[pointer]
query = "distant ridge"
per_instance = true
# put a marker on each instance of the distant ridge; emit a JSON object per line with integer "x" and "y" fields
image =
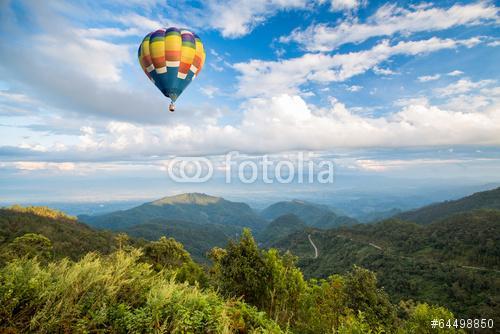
{"x": 489, "y": 199}
{"x": 281, "y": 227}
{"x": 311, "y": 214}
{"x": 188, "y": 198}
{"x": 197, "y": 208}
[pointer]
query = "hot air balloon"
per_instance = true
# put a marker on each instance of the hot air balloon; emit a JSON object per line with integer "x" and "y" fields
{"x": 171, "y": 58}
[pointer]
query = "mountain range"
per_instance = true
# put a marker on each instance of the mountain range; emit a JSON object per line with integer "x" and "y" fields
{"x": 311, "y": 214}
{"x": 446, "y": 253}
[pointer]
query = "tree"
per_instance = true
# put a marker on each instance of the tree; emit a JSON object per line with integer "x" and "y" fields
{"x": 364, "y": 296}
{"x": 122, "y": 240}
{"x": 420, "y": 317}
{"x": 241, "y": 270}
{"x": 29, "y": 245}
{"x": 262, "y": 278}
{"x": 166, "y": 253}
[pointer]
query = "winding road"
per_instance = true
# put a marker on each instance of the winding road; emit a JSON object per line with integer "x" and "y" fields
{"x": 314, "y": 246}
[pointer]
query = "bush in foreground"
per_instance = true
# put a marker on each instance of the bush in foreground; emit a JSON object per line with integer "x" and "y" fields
{"x": 118, "y": 294}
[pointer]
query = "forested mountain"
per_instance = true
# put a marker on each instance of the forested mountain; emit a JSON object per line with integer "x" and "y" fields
{"x": 198, "y": 239}
{"x": 311, "y": 214}
{"x": 453, "y": 262}
{"x": 281, "y": 227}
{"x": 158, "y": 288}
{"x": 199, "y": 221}
{"x": 68, "y": 236}
{"x": 481, "y": 200}
{"x": 193, "y": 207}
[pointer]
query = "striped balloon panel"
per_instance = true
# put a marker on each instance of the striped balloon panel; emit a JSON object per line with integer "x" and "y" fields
{"x": 171, "y": 58}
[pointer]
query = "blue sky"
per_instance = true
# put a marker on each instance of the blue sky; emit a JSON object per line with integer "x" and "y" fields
{"x": 405, "y": 89}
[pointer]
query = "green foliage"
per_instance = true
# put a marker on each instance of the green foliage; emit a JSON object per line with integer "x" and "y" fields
{"x": 453, "y": 262}
{"x": 41, "y": 211}
{"x": 420, "y": 317}
{"x": 365, "y": 297}
{"x": 69, "y": 237}
{"x": 198, "y": 239}
{"x": 241, "y": 270}
{"x": 431, "y": 213}
{"x": 195, "y": 208}
{"x": 167, "y": 253}
{"x": 160, "y": 289}
{"x": 261, "y": 278}
{"x": 117, "y": 294}
{"x": 281, "y": 227}
{"x": 311, "y": 214}
{"x": 29, "y": 245}
{"x": 346, "y": 304}
{"x": 274, "y": 284}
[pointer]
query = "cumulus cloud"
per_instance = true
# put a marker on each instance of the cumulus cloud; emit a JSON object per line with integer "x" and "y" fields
{"x": 425, "y": 78}
{"x": 238, "y": 18}
{"x": 383, "y": 71}
{"x": 354, "y": 88}
{"x": 455, "y": 73}
{"x": 258, "y": 77}
{"x": 285, "y": 123}
{"x": 390, "y": 19}
{"x": 209, "y": 91}
{"x": 463, "y": 86}
{"x": 345, "y": 5}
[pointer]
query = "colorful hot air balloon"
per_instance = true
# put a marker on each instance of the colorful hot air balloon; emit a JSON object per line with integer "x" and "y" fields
{"x": 171, "y": 58}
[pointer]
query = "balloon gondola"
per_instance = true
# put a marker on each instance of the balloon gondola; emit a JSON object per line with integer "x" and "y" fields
{"x": 171, "y": 58}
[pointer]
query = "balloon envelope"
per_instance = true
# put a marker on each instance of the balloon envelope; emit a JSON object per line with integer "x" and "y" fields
{"x": 171, "y": 58}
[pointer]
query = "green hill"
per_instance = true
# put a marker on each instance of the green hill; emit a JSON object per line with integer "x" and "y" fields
{"x": 158, "y": 288}
{"x": 306, "y": 211}
{"x": 453, "y": 262}
{"x": 482, "y": 200}
{"x": 312, "y": 214}
{"x": 195, "y": 208}
{"x": 197, "y": 239}
{"x": 281, "y": 227}
{"x": 69, "y": 237}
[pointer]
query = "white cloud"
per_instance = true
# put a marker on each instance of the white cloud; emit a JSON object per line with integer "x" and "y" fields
{"x": 383, "y": 71}
{"x": 473, "y": 98}
{"x": 237, "y": 18}
{"x": 455, "y": 73}
{"x": 494, "y": 43}
{"x": 107, "y": 32}
{"x": 386, "y": 165}
{"x": 140, "y": 22}
{"x": 285, "y": 123}
{"x": 425, "y": 78}
{"x": 95, "y": 58}
{"x": 34, "y": 165}
{"x": 16, "y": 97}
{"x": 345, "y": 5}
{"x": 462, "y": 86}
{"x": 258, "y": 77}
{"x": 354, "y": 88}
{"x": 389, "y": 20}
{"x": 209, "y": 91}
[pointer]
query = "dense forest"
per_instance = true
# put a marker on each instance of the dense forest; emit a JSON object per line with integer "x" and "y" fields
{"x": 134, "y": 286}
{"x": 454, "y": 262}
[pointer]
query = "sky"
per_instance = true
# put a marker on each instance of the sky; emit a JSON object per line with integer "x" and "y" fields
{"x": 406, "y": 91}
